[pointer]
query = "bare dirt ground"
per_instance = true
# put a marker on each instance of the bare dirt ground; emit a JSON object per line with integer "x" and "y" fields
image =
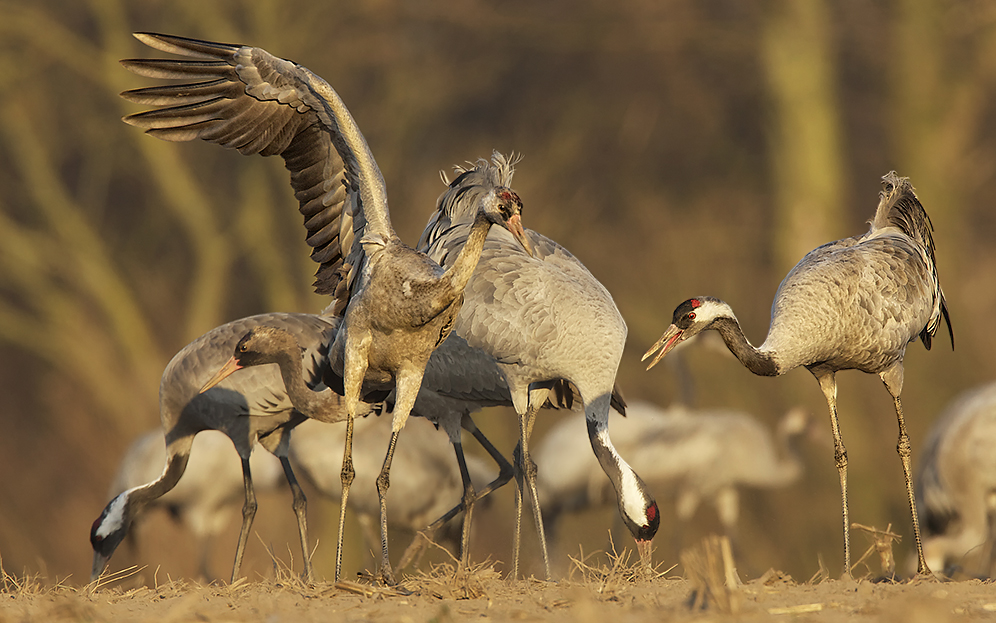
{"x": 615, "y": 591}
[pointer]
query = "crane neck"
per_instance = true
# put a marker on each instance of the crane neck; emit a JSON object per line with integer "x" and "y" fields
{"x": 637, "y": 507}
{"x": 177, "y": 454}
{"x": 466, "y": 261}
{"x": 762, "y": 363}
{"x": 325, "y": 405}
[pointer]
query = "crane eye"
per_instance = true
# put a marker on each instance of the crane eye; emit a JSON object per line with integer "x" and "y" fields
{"x": 691, "y": 316}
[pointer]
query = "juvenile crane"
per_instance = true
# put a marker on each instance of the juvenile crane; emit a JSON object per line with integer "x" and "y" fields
{"x": 545, "y": 320}
{"x": 397, "y": 304}
{"x": 248, "y": 408}
{"x": 956, "y": 483}
{"x": 853, "y": 304}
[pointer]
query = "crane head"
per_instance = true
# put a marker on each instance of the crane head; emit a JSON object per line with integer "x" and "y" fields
{"x": 690, "y": 318}
{"x": 503, "y": 207}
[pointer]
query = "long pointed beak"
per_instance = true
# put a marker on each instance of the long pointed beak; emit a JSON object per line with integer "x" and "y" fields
{"x": 646, "y": 549}
{"x": 669, "y": 340}
{"x": 230, "y": 366}
{"x": 99, "y": 564}
{"x": 515, "y": 227}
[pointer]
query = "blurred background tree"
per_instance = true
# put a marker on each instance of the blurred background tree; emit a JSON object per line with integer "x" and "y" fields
{"x": 677, "y": 147}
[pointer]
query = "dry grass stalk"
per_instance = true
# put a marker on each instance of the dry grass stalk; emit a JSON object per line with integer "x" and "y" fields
{"x": 105, "y": 579}
{"x": 449, "y": 580}
{"x": 613, "y": 578}
{"x": 882, "y": 543}
{"x": 712, "y": 576}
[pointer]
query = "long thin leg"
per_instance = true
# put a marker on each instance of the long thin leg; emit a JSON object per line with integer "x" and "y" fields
{"x": 905, "y": 453}
{"x": 248, "y": 514}
{"x": 354, "y": 369}
{"x": 469, "y": 497}
{"x": 407, "y": 382}
{"x": 300, "y": 506}
{"x": 505, "y": 473}
{"x": 383, "y": 483}
{"x": 829, "y": 386}
{"x": 525, "y": 467}
{"x": 346, "y": 476}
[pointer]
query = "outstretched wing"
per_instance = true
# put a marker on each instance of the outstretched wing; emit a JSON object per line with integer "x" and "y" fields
{"x": 244, "y": 98}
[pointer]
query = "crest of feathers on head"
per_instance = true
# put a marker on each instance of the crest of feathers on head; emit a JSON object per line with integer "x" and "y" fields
{"x": 899, "y": 207}
{"x": 459, "y": 201}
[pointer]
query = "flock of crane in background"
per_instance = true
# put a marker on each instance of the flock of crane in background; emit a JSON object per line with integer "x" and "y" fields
{"x": 477, "y": 316}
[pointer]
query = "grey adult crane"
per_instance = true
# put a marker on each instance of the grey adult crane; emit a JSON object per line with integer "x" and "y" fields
{"x": 956, "y": 484}
{"x": 545, "y": 320}
{"x": 703, "y": 454}
{"x": 212, "y": 484}
{"x": 853, "y": 304}
{"x": 248, "y": 408}
{"x": 397, "y": 304}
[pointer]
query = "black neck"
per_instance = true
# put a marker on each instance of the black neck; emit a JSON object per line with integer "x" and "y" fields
{"x": 759, "y": 363}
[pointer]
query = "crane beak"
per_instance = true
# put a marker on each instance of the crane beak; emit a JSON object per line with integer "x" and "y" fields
{"x": 646, "y": 550}
{"x": 99, "y": 564}
{"x": 230, "y": 366}
{"x": 515, "y": 227}
{"x": 669, "y": 340}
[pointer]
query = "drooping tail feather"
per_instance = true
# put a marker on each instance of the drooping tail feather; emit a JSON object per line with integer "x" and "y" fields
{"x": 899, "y": 207}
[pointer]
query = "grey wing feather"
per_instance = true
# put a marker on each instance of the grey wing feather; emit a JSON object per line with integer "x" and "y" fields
{"x": 247, "y": 99}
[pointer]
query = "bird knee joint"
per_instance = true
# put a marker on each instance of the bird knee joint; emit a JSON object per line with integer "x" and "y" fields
{"x": 840, "y": 457}
{"x": 383, "y": 484}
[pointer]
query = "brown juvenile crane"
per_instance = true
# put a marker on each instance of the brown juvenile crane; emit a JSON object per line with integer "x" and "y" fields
{"x": 397, "y": 304}
{"x": 853, "y": 304}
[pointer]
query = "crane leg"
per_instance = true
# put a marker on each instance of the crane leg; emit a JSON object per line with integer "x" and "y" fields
{"x": 469, "y": 497}
{"x": 829, "y": 386}
{"x": 248, "y": 514}
{"x": 383, "y": 483}
{"x": 300, "y": 506}
{"x": 346, "y": 477}
{"x": 407, "y": 382}
{"x": 354, "y": 369}
{"x": 505, "y": 470}
{"x": 505, "y": 473}
{"x": 526, "y": 468}
{"x": 905, "y": 454}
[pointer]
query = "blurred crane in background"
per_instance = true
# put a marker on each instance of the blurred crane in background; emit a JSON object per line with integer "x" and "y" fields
{"x": 956, "y": 485}
{"x": 699, "y": 454}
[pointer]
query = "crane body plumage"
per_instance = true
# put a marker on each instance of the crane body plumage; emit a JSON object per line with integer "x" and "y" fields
{"x": 257, "y": 103}
{"x": 246, "y": 408}
{"x": 854, "y": 304}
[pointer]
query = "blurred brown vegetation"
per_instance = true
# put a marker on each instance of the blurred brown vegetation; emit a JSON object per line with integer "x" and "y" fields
{"x": 677, "y": 147}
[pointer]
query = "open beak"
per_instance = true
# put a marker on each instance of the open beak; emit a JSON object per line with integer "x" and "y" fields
{"x": 515, "y": 227}
{"x": 669, "y": 340}
{"x": 230, "y": 366}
